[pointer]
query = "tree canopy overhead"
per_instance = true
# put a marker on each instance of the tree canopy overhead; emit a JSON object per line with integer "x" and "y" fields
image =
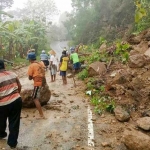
{"x": 42, "y": 10}
{"x": 91, "y": 19}
{"x": 5, "y": 4}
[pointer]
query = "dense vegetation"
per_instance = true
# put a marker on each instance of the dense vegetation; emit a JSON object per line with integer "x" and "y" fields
{"x": 110, "y": 19}
{"x": 104, "y": 23}
{"x": 18, "y": 34}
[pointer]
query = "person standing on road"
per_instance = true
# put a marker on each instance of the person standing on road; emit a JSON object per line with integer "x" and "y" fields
{"x": 10, "y": 105}
{"x": 65, "y": 49}
{"x": 53, "y": 65}
{"x": 44, "y": 57}
{"x": 63, "y": 65}
{"x": 75, "y": 59}
{"x": 36, "y": 71}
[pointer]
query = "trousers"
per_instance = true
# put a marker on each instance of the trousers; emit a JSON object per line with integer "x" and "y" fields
{"x": 11, "y": 112}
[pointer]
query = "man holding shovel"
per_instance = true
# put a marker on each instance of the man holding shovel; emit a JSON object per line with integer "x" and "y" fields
{"x": 75, "y": 60}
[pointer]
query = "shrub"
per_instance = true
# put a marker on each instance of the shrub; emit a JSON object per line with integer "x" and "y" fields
{"x": 83, "y": 74}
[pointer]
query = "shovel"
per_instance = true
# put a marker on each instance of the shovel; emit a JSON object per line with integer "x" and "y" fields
{"x": 74, "y": 79}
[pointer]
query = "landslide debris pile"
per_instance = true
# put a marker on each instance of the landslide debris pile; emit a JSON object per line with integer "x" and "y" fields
{"x": 130, "y": 84}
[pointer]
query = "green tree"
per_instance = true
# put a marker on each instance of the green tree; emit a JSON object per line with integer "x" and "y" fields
{"x": 142, "y": 15}
{"x": 19, "y": 36}
{"x": 39, "y": 10}
{"x": 5, "y": 4}
{"x": 91, "y": 19}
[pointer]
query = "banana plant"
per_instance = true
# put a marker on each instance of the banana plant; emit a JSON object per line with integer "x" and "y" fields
{"x": 140, "y": 10}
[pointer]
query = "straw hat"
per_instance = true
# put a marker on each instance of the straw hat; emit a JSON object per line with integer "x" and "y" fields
{"x": 52, "y": 52}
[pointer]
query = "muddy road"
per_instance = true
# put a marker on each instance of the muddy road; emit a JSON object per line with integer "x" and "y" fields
{"x": 67, "y": 126}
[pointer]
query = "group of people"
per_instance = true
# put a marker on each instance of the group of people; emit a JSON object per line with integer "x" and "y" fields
{"x": 54, "y": 65}
{"x": 10, "y": 98}
{"x": 10, "y": 88}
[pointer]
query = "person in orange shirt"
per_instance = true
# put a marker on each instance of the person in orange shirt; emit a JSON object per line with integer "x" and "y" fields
{"x": 36, "y": 72}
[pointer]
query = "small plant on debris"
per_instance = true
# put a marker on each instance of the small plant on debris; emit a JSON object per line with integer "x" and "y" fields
{"x": 102, "y": 104}
{"x": 122, "y": 51}
{"x": 83, "y": 74}
{"x": 97, "y": 56}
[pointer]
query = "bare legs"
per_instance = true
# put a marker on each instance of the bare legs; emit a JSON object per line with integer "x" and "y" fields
{"x": 64, "y": 80}
{"x": 53, "y": 78}
{"x": 39, "y": 108}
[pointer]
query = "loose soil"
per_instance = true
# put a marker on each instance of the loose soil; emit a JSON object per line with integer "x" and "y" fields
{"x": 66, "y": 125}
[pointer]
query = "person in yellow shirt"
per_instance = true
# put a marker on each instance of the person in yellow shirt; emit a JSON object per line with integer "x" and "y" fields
{"x": 63, "y": 65}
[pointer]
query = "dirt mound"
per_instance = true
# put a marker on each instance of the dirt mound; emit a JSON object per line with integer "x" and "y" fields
{"x": 129, "y": 84}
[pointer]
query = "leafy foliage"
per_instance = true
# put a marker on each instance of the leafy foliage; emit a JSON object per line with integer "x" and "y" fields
{"x": 16, "y": 37}
{"x": 140, "y": 11}
{"x": 39, "y": 10}
{"x": 5, "y": 4}
{"x": 104, "y": 103}
{"x": 92, "y": 19}
{"x": 83, "y": 74}
{"x": 142, "y": 14}
{"x": 122, "y": 51}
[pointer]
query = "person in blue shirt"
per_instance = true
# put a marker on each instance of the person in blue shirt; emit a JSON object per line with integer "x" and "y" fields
{"x": 44, "y": 57}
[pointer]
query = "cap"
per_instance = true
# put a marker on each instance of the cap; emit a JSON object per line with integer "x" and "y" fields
{"x": 43, "y": 51}
{"x": 31, "y": 56}
{"x": 72, "y": 49}
{"x": 52, "y": 52}
{"x": 2, "y": 66}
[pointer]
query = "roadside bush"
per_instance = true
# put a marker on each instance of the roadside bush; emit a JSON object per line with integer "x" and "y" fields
{"x": 121, "y": 51}
{"x": 102, "y": 104}
{"x": 83, "y": 74}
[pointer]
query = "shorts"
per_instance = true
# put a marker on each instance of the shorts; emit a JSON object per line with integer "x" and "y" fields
{"x": 46, "y": 62}
{"x": 76, "y": 66}
{"x": 53, "y": 70}
{"x": 37, "y": 92}
{"x": 63, "y": 73}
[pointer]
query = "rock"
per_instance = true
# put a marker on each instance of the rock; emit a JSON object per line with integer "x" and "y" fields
{"x": 136, "y": 61}
{"x": 27, "y": 99}
{"x": 106, "y": 144}
{"x": 146, "y": 113}
{"x": 103, "y": 47}
{"x": 121, "y": 114}
{"x": 111, "y": 49}
{"x": 147, "y": 36}
{"x": 133, "y": 52}
{"x": 147, "y": 53}
{"x": 55, "y": 95}
{"x": 69, "y": 75}
{"x": 140, "y": 48}
{"x": 144, "y": 123}
{"x": 121, "y": 78}
{"x": 121, "y": 147}
{"x": 134, "y": 39}
{"x": 135, "y": 140}
{"x": 96, "y": 68}
{"x": 71, "y": 101}
{"x": 149, "y": 44}
{"x": 53, "y": 107}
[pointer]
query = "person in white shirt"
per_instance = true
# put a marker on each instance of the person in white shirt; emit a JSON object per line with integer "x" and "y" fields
{"x": 53, "y": 65}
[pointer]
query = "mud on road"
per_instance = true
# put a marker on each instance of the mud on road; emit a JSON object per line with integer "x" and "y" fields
{"x": 66, "y": 125}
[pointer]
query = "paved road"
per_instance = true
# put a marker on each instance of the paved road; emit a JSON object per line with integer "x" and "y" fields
{"x": 66, "y": 126}
{"x": 58, "y": 47}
